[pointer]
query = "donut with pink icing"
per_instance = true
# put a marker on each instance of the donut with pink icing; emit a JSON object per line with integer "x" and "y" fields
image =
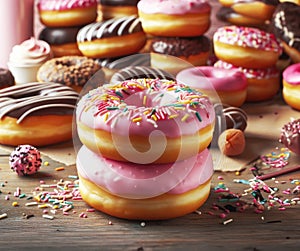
{"x": 246, "y": 47}
{"x": 226, "y": 85}
{"x": 67, "y": 13}
{"x": 149, "y": 192}
{"x": 145, "y": 121}
{"x": 262, "y": 84}
{"x": 291, "y": 85}
{"x": 186, "y": 18}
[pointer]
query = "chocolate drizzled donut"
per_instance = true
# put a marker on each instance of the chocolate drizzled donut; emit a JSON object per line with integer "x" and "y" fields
{"x": 110, "y": 28}
{"x": 34, "y": 99}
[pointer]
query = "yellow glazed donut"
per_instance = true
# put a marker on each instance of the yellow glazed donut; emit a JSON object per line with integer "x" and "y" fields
{"x": 145, "y": 121}
{"x": 36, "y": 114}
{"x": 185, "y": 18}
{"x": 246, "y": 47}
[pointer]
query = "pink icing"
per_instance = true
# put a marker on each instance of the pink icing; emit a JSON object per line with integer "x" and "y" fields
{"x": 212, "y": 78}
{"x": 271, "y": 72}
{"x": 248, "y": 37}
{"x": 292, "y": 74}
{"x": 64, "y": 4}
{"x": 145, "y": 106}
{"x": 129, "y": 180}
{"x": 178, "y": 7}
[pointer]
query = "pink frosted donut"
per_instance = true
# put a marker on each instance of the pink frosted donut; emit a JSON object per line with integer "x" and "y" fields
{"x": 184, "y": 18}
{"x": 135, "y": 191}
{"x": 228, "y": 85}
{"x": 246, "y": 47}
{"x": 66, "y": 13}
{"x": 25, "y": 160}
{"x": 145, "y": 121}
{"x": 263, "y": 84}
{"x": 291, "y": 85}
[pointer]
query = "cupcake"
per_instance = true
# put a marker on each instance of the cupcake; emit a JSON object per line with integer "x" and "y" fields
{"x": 25, "y": 59}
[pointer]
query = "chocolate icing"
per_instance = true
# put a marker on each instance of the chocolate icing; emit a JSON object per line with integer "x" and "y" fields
{"x": 59, "y": 35}
{"x": 179, "y": 46}
{"x": 285, "y": 24}
{"x": 119, "y": 2}
{"x": 34, "y": 99}
{"x": 6, "y": 78}
{"x": 133, "y": 72}
{"x": 110, "y": 28}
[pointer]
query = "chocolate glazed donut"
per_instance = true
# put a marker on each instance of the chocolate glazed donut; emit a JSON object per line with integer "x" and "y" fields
{"x": 62, "y": 40}
{"x": 36, "y": 114}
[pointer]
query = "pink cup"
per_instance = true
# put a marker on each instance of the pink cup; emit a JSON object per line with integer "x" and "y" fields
{"x": 16, "y": 25}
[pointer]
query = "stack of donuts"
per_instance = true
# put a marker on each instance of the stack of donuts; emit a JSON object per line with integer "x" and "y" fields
{"x": 254, "y": 13}
{"x": 253, "y": 52}
{"x": 144, "y": 153}
{"x": 62, "y": 21}
{"x": 176, "y": 28}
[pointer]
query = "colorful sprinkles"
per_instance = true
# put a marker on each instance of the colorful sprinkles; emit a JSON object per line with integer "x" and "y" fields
{"x": 111, "y": 102}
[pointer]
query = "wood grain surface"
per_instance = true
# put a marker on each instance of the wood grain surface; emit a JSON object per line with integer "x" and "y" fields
{"x": 271, "y": 229}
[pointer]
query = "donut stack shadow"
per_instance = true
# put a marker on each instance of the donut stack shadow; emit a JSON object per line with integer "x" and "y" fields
{"x": 151, "y": 171}
{"x": 62, "y": 21}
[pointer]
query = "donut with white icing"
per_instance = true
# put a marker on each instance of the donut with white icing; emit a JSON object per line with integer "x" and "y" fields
{"x": 37, "y": 114}
{"x": 145, "y": 121}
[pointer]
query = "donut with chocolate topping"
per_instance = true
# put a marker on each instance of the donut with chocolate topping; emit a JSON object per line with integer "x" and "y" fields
{"x": 36, "y": 114}
{"x": 285, "y": 25}
{"x": 111, "y": 38}
{"x": 6, "y": 78}
{"x": 118, "y": 8}
{"x": 62, "y": 40}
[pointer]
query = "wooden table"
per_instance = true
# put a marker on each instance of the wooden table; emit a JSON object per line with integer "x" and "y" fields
{"x": 205, "y": 230}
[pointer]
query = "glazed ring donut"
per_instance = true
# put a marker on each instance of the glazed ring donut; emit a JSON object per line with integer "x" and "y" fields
{"x": 145, "y": 121}
{"x": 246, "y": 47}
{"x": 291, "y": 86}
{"x": 188, "y": 18}
{"x": 285, "y": 25}
{"x": 227, "y": 85}
{"x": 111, "y": 38}
{"x": 6, "y": 78}
{"x": 62, "y": 40}
{"x": 148, "y": 192}
{"x": 258, "y": 9}
{"x": 58, "y": 13}
{"x": 262, "y": 84}
{"x": 36, "y": 114}
{"x": 118, "y": 8}
{"x": 73, "y": 71}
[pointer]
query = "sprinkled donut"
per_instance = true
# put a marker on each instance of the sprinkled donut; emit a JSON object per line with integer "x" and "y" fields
{"x": 145, "y": 121}
{"x": 290, "y": 136}
{"x": 246, "y": 47}
{"x": 36, "y": 113}
{"x": 25, "y": 160}
{"x": 67, "y": 13}
{"x": 111, "y": 38}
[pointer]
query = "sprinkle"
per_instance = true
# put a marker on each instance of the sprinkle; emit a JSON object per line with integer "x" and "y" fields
{"x": 227, "y": 221}
{"x": 185, "y": 117}
{"x": 82, "y": 215}
{"x": 48, "y": 217}
{"x": 110, "y": 223}
{"x": 2, "y": 216}
{"x": 143, "y": 224}
{"x": 198, "y": 212}
{"x": 15, "y": 204}
{"x": 138, "y": 119}
{"x": 90, "y": 210}
{"x": 73, "y": 177}
{"x": 29, "y": 204}
{"x": 22, "y": 195}
{"x": 198, "y": 116}
{"x": 59, "y": 168}
{"x": 46, "y": 163}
